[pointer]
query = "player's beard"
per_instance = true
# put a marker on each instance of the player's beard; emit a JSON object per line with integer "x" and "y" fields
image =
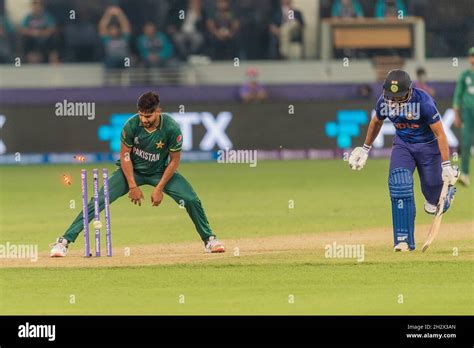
{"x": 153, "y": 124}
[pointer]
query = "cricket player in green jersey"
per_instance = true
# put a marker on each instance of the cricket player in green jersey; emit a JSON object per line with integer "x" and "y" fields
{"x": 150, "y": 154}
{"x": 463, "y": 105}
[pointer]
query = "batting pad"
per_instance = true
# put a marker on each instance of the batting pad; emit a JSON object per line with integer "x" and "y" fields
{"x": 400, "y": 184}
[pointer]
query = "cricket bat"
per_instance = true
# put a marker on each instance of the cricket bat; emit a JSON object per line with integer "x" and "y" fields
{"x": 435, "y": 225}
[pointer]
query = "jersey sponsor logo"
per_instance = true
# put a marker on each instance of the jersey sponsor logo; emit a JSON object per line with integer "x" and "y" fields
{"x": 179, "y": 138}
{"x": 406, "y": 125}
{"x": 151, "y": 157}
{"x": 388, "y": 129}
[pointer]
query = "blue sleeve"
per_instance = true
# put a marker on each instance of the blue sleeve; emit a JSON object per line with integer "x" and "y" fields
{"x": 167, "y": 49}
{"x": 428, "y": 111}
{"x": 379, "y": 109}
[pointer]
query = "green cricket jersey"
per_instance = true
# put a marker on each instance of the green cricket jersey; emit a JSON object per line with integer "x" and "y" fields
{"x": 150, "y": 149}
{"x": 464, "y": 93}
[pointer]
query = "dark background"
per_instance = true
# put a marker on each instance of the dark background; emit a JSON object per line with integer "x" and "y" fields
{"x": 267, "y": 126}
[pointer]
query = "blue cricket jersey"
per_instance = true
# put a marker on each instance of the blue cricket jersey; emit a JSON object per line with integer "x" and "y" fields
{"x": 412, "y": 119}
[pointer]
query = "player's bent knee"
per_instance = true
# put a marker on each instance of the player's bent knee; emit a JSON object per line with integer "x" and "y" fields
{"x": 400, "y": 183}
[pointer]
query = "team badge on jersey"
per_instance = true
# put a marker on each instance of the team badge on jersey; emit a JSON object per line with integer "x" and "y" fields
{"x": 160, "y": 145}
{"x": 135, "y": 141}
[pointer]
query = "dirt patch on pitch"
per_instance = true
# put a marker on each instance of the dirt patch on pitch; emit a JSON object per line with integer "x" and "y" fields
{"x": 183, "y": 253}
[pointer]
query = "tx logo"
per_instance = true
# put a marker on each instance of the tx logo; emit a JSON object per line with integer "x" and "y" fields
{"x": 215, "y": 129}
{"x": 3, "y": 148}
{"x": 215, "y": 135}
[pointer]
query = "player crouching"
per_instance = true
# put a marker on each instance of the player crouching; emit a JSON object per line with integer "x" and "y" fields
{"x": 419, "y": 142}
{"x": 150, "y": 154}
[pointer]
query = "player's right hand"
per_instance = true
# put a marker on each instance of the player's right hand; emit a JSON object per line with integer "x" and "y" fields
{"x": 135, "y": 195}
{"x": 358, "y": 157}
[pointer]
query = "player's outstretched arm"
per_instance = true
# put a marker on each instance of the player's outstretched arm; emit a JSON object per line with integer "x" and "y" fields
{"x": 157, "y": 194}
{"x": 359, "y": 155}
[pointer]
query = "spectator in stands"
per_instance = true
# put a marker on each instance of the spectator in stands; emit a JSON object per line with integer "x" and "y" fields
{"x": 255, "y": 17}
{"x": 6, "y": 31}
{"x": 38, "y": 33}
{"x": 252, "y": 91}
{"x": 81, "y": 41}
{"x": 223, "y": 27}
{"x": 390, "y": 9}
{"x": 187, "y": 33}
{"x": 286, "y": 39}
{"x": 421, "y": 82}
{"x": 346, "y": 9}
{"x": 154, "y": 47}
{"x": 114, "y": 30}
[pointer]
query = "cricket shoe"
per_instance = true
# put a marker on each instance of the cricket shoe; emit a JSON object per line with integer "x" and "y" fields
{"x": 432, "y": 209}
{"x": 59, "y": 248}
{"x": 464, "y": 180}
{"x": 214, "y": 246}
{"x": 449, "y": 198}
{"x": 402, "y": 246}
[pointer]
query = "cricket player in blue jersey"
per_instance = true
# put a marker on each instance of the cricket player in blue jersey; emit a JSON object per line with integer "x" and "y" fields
{"x": 419, "y": 142}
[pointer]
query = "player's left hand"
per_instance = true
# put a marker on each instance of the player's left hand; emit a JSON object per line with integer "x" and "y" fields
{"x": 156, "y": 197}
{"x": 450, "y": 173}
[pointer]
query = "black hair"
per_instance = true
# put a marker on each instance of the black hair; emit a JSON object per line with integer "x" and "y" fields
{"x": 148, "y": 102}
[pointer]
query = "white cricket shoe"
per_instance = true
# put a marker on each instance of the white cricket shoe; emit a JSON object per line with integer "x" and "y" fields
{"x": 430, "y": 208}
{"x": 214, "y": 246}
{"x": 402, "y": 246}
{"x": 59, "y": 248}
{"x": 464, "y": 180}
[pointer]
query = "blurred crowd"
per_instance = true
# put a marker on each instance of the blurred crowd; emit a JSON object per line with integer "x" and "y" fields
{"x": 160, "y": 33}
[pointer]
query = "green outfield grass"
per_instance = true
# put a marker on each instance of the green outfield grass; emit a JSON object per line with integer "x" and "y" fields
{"x": 241, "y": 202}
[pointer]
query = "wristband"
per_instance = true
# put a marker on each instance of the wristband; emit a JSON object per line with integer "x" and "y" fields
{"x": 366, "y": 147}
{"x": 446, "y": 164}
